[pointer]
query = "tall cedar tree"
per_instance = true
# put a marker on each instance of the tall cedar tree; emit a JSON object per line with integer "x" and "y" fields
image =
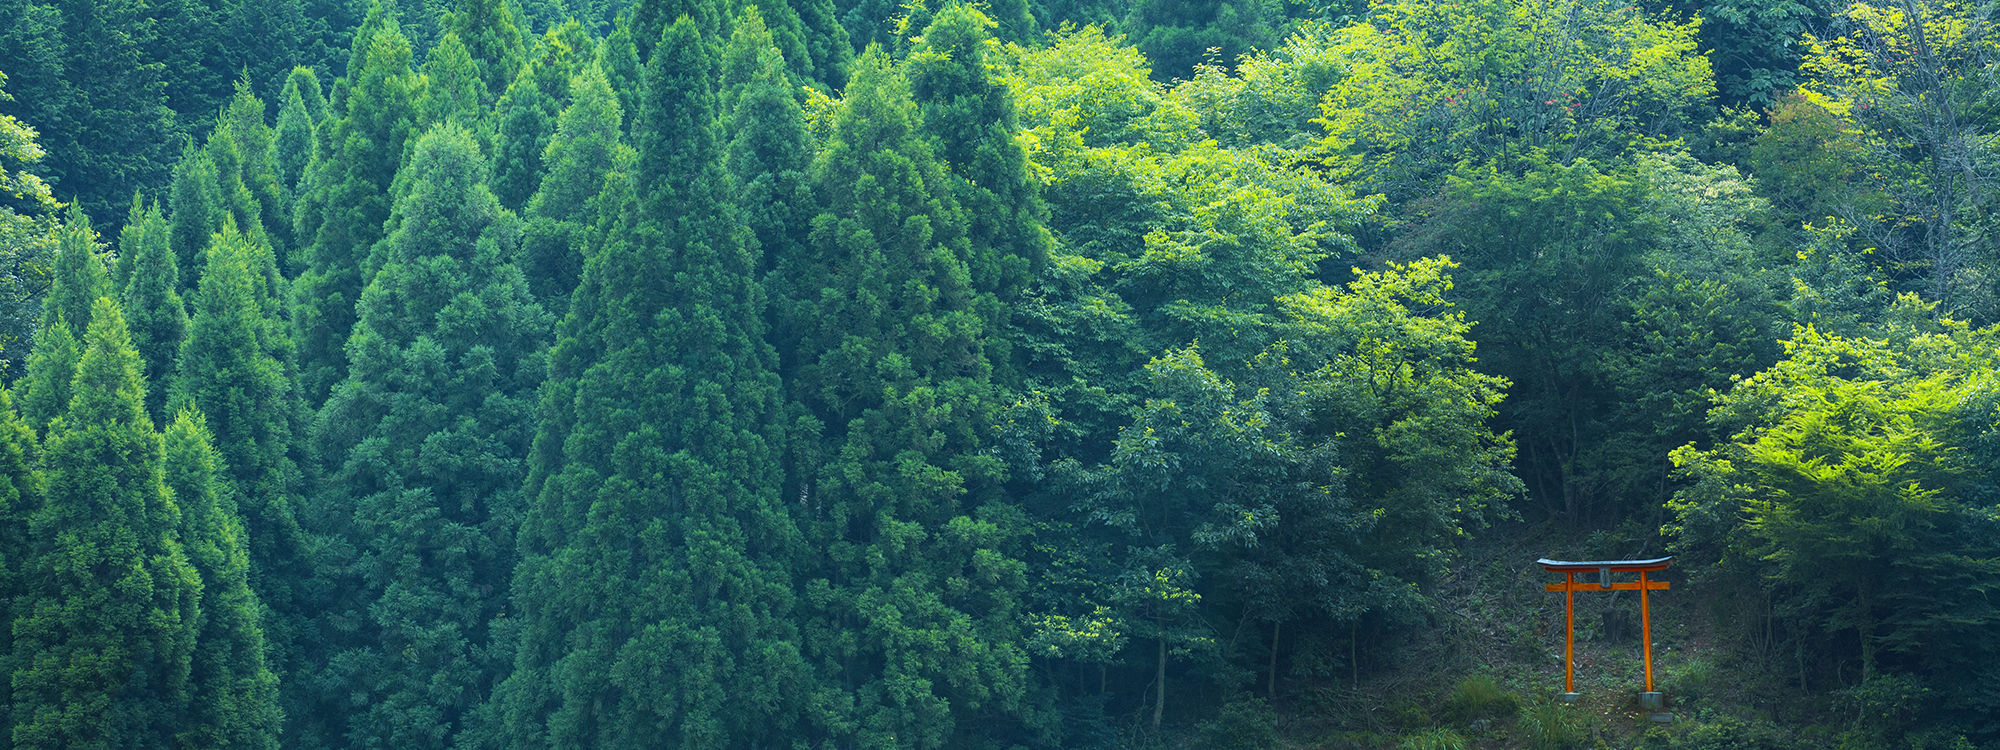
{"x": 914, "y": 586}
{"x": 195, "y": 207}
{"x": 77, "y": 280}
{"x": 452, "y": 88}
{"x": 352, "y": 182}
{"x": 529, "y": 110}
{"x": 300, "y": 107}
{"x": 235, "y": 370}
{"x": 586, "y": 148}
{"x": 108, "y": 620}
{"x": 20, "y": 499}
{"x": 618, "y": 55}
{"x": 241, "y": 148}
{"x": 425, "y": 442}
{"x": 493, "y": 34}
{"x": 656, "y": 576}
{"x": 233, "y": 691}
{"x": 151, "y": 296}
{"x": 770, "y": 152}
{"x": 970, "y": 118}
{"x": 809, "y": 35}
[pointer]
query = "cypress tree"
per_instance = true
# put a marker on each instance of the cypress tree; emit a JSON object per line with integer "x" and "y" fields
{"x": 20, "y": 498}
{"x": 242, "y": 146}
{"x": 353, "y": 199}
{"x": 770, "y": 151}
{"x": 452, "y": 88}
{"x": 655, "y": 586}
{"x": 79, "y": 275}
{"x": 45, "y": 390}
{"x": 121, "y": 268}
{"x": 618, "y": 55}
{"x": 493, "y": 35}
{"x": 529, "y": 111}
{"x": 425, "y": 442}
{"x": 196, "y": 206}
{"x": 300, "y": 107}
{"x": 234, "y": 370}
{"x": 158, "y": 316}
{"x": 809, "y": 35}
{"x": 234, "y": 693}
{"x": 586, "y": 148}
{"x": 107, "y": 626}
{"x": 913, "y": 544}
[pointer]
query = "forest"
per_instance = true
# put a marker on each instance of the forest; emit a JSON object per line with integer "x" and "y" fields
{"x": 1005, "y": 375}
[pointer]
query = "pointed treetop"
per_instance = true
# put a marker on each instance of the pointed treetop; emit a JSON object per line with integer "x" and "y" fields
{"x": 453, "y": 88}
{"x": 110, "y": 386}
{"x": 493, "y": 35}
{"x": 78, "y": 277}
{"x": 581, "y": 152}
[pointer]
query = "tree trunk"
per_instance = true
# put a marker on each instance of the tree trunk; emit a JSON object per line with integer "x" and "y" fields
{"x": 1272, "y": 689}
{"x": 1160, "y": 686}
{"x": 1867, "y": 627}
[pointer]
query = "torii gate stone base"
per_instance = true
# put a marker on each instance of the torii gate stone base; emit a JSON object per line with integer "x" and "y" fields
{"x": 1649, "y": 700}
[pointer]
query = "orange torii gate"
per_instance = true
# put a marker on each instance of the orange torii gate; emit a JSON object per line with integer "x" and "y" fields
{"x": 1605, "y": 568}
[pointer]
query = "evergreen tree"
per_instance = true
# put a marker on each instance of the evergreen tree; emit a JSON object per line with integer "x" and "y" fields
{"x": 913, "y": 541}
{"x": 234, "y": 369}
{"x": 298, "y": 119}
{"x": 352, "y": 183}
{"x": 425, "y": 442}
{"x": 528, "y": 112}
{"x": 234, "y": 693}
{"x": 196, "y": 208}
{"x": 452, "y": 88}
{"x": 494, "y": 37}
{"x": 20, "y": 498}
{"x": 655, "y": 586}
{"x": 770, "y": 152}
{"x": 79, "y": 275}
{"x": 618, "y": 55}
{"x": 151, "y": 293}
{"x": 809, "y": 35}
{"x": 242, "y": 147}
{"x": 107, "y": 624}
{"x": 45, "y": 389}
{"x": 586, "y": 148}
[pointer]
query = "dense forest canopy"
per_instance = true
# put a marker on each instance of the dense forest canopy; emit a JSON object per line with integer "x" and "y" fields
{"x": 1019, "y": 374}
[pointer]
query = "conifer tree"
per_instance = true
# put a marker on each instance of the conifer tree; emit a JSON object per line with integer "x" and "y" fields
{"x": 195, "y": 207}
{"x": 655, "y": 587}
{"x": 234, "y": 369}
{"x": 244, "y": 159}
{"x": 79, "y": 275}
{"x": 20, "y": 498}
{"x": 970, "y": 117}
{"x": 913, "y": 543}
{"x": 452, "y": 87}
{"x": 151, "y": 295}
{"x": 809, "y": 35}
{"x": 586, "y": 148}
{"x": 352, "y": 183}
{"x": 618, "y": 55}
{"x": 107, "y": 623}
{"x": 528, "y": 112}
{"x": 233, "y": 691}
{"x": 425, "y": 442}
{"x": 770, "y": 152}
{"x": 492, "y": 33}
{"x": 300, "y": 109}
{"x": 45, "y": 389}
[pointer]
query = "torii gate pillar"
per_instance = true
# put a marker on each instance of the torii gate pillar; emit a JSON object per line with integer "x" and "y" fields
{"x": 1650, "y": 700}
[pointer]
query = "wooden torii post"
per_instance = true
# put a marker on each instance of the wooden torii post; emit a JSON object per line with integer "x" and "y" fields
{"x": 1605, "y": 568}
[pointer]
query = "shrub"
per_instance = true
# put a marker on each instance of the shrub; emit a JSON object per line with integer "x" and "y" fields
{"x": 1437, "y": 738}
{"x": 1479, "y": 697}
{"x": 1242, "y": 725}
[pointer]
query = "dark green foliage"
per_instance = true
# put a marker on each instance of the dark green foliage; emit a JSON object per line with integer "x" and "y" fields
{"x": 618, "y": 55}
{"x": 151, "y": 293}
{"x": 108, "y": 621}
{"x": 196, "y": 208}
{"x": 301, "y": 109}
{"x": 770, "y": 152}
{"x": 1177, "y": 35}
{"x": 349, "y": 199}
{"x": 495, "y": 39}
{"x": 529, "y": 110}
{"x": 77, "y": 278}
{"x": 45, "y": 389}
{"x": 453, "y": 89}
{"x": 656, "y": 581}
{"x": 20, "y": 499}
{"x": 234, "y": 694}
{"x": 235, "y": 369}
{"x": 913, "y": 543}
{"x": 586, "y": 147}
{"x": 815, "y": 46}
{"x": 424, "y": 444}
{"x": 242, "y": 149}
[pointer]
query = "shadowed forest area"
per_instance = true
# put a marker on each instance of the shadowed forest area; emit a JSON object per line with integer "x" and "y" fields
{"x": 1094, "y": 374}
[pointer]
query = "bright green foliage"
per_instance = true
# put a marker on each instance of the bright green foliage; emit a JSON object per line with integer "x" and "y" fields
{"x": 1430, "y": 85}
{"x": 1269, "y": 96}
{"x": 969, "y": 115}
{"x": 242, "y": 148}
{"x": 28, "y": 232}
{"x": 1845, "y": 484}
{"x": 495, "y": 39}
{"x": 424, "y": 444}
{"x": 235, "y": 370}
{"x": 914, "y": 587}
{"x": 770, "y": 152}
{"x": 586, "y": 147}
{"x": 1810, "y": 163}
{"x": 79, "y": 275}
{"x": 45, "y": 389}
{"x": 529, "y": 110}
{"x": 656, "y": 582}
{"x": 20, "y": 499}
{"x": 151, "y": 293}
{"x": 350, "y": 200}
{"x": 233, "y": 693}
{"x": 301, "y": 109}
{"x": 452, "y": 86}
{"x": 195, "y": 206}
{"x": 108, "y": 622}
